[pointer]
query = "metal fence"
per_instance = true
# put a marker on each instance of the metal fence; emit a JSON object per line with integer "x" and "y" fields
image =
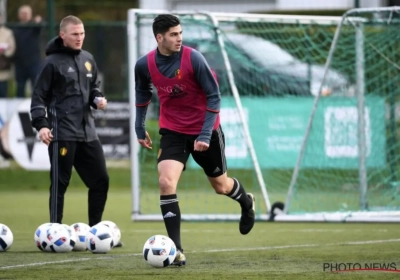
{"x": 107, "y": 42}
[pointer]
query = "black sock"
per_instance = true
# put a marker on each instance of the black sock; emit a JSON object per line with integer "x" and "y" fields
{"x": 172, "y": 218}
{"x": 239, "y": 194}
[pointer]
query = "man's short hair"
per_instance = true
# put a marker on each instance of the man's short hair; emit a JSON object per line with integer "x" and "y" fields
{"x": 162, "y": 23}
{"x": 24, "y": 7}
{"x": 69, "y": 20}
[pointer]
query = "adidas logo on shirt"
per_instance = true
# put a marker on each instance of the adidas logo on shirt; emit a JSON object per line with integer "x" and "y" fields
{"x": 70, "y": 70}
{"x": 169, "y": 215}
{"x": 217, "y": 170}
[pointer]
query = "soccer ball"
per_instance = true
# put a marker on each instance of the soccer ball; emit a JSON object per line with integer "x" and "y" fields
{"x": 80, "y": 229}
{"x": 41, "y": 230}
{"x": 72, "y": 234}
{"x": 60, "y": 238}
{"x": 159, "y": 251}
{"x": 116, "y": 232}
{"x": 99, "y": 239}
{"x": 6, "y": 238}
{"x": 44, "y": 237}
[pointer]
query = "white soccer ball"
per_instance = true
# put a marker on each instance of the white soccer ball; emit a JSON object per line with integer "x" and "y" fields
{"x": 99, "y": 239}
{"x": 6, "y": 238}
{"x": 72, "y": 234}
{"x": 80, "y": 229}
{"x": 159, "y": 251}
{"x": 116, "y": 232}
{"x": 44, "y": 236}
{"x": 38, "y": 232}
{"x": 60, "y": 238}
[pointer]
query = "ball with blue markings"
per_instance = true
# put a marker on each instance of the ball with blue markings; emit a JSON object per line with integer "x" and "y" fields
{"x": 114, "y": 229}
{"x": 42, "y": 237}
{"x": 72, "y": 234}
{"x": 60, "y": 238}
{"x": 81, "y": 230}
{"x": 159, "y": 251}
{"x": 6, "y": 238}
{"x": 99, "y": 239}
{"x": 38, "y": 232}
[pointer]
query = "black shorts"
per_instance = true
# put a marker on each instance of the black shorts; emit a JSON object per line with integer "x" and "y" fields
{"x": 177, "y": 146}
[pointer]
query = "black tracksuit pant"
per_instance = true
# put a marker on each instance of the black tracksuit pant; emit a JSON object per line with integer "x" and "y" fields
{"x": 89, "y": 162}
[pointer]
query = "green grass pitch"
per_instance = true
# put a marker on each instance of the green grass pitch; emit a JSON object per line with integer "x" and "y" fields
{"x": 214, "y": 250}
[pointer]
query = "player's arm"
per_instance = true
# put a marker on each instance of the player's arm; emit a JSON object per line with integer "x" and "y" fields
{"x": 142, "y": 96}
{"x": 39, "y": 101}
{"x": 96, "y": 97}
{"x": 210, "y": 86}
{"x": 41, "y": 96}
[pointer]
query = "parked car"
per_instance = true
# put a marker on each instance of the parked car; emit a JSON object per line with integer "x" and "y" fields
{"x": 262, "y": 68}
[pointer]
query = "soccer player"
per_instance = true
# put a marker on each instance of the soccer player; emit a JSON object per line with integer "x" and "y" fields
{"x": 189, "y": 123}
{"x": 65, "y": 89}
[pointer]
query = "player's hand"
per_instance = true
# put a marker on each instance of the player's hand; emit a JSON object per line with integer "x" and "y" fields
{"x": 45, "y": 135}
{"x": 37, "y": 19}
{"x": 200, "y": 146}
{"x": 146, "y": 143}
{"x": 101, "y": 103}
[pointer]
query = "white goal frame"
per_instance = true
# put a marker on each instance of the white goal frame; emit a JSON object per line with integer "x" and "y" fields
{"x": 278, "y": 216}
{"x": 362, "y": 215}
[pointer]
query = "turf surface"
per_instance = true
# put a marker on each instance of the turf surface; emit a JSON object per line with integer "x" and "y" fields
{"x": 214, "y": 250}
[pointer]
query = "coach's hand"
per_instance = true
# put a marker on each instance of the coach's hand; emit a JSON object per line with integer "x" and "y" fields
{"x": 146, "y": 143}
{"x": 200, "y": 146}
{"x": 45, "y": 135}
{"x": 102, "y": 103}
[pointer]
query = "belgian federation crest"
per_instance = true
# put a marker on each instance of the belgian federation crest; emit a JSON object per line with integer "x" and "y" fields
{"x": 88, "y": 66}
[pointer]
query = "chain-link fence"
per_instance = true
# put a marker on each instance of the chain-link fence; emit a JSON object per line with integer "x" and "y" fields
{"x": 107, "y": 42}
{"x": 105, "y": 27}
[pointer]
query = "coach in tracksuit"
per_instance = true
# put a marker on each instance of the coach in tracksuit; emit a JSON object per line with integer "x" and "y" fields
{"x": 66, "y": 88}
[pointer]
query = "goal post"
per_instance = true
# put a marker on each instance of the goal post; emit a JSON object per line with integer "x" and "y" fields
{"x": 360, "y": 134}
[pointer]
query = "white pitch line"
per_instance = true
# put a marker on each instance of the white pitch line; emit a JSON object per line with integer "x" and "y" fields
{"x": 262, "y": 230}
{"x": 44, "y": 263}
{"x": 258, "y": 230}
{"x": 371, "y": 242}
{"x": 67, "y": 261}
{"x": 209, "y": 251}
{"x": 298, "y": 246}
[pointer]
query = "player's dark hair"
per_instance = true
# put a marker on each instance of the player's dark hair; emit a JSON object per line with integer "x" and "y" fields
{"x": 162, "y": 23}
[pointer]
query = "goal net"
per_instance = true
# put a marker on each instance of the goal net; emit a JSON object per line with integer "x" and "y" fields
{"x": 347, "y": 169}
{"x": 273, "y": 73}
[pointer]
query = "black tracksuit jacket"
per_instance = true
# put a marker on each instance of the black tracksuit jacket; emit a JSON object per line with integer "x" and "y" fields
{"x": 65, "y": 88}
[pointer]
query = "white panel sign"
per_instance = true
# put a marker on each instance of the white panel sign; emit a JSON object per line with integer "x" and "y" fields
{"x": 26, "y": 148}
{"x": 341, "y": 132}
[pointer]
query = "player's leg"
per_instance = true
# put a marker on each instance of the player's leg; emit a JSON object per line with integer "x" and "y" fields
{"x": 62, "y": 155}
{"x": 232, "y": 188}
{"x": 213, "y": 163}
{"x": 171, "y": 162}
{"x": 91, "y": 167}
